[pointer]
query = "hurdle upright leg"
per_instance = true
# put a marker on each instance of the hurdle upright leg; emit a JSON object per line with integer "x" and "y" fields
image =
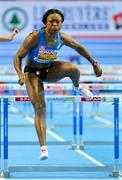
{"x": 51, "y": 124}
{"x": 116, "y": 137}
{"x": 74, "y": 144}
{"x": 5, "y": 137}
{"x": 81, "y": 144}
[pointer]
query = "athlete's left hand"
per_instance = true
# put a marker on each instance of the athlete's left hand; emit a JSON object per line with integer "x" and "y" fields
{"x": 14, "y": 33}
{"x": 97, "y": 69}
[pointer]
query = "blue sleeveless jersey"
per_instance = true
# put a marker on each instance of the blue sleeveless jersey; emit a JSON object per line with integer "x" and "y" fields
{"x": 43, "y": 53}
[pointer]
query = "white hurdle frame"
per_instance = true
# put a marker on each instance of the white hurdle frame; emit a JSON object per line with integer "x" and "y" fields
{"x": 65, "y": 99}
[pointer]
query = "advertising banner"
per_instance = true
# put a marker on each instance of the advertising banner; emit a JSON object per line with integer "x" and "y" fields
{"x": 81, "y": 18}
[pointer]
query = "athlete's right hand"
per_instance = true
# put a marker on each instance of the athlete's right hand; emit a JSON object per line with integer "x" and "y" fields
{"x": 21, "y": 80}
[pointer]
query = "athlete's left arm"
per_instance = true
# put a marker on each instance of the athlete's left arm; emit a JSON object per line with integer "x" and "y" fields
{"x": 68, "y": 41}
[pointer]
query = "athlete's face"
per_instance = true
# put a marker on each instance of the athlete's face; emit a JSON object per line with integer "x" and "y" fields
{"x": 53, "y": 23}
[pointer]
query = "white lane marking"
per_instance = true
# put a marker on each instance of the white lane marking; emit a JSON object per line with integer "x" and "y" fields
{"x": 59, "y": 138}
{"x": 56, "y": 136}
{"x": 48, "y": 131}
{"x": 106, "y": 122}
{"x": 2, "y": 178}
{"x": 29, "y": 119}
{"x": 14, "y": 109}
{"x": 103, "y": 120}
{"x": 89, "y": 157}
{"x": 77, "y": 150}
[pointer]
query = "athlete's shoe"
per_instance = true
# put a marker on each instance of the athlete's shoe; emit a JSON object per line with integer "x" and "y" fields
{"x": 44, "y": 153}
{"x": 84, "y": 92}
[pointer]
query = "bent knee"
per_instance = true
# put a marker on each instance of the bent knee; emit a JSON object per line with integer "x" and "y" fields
{"x": 74, "y": 69}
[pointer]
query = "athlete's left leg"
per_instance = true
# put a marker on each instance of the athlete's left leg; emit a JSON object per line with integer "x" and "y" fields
{"x": 62, "y": 69}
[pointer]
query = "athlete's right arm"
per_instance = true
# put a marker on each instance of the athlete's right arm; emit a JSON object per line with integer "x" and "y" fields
{"x": 29, "y": 43}
{"x": 11, "y": 36}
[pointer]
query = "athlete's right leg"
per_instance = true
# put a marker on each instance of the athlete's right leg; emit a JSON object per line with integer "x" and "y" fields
{"x": 35, "y": 90}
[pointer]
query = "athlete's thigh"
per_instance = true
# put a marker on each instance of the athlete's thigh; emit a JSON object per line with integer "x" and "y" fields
{"x": 59, "y": 70}
{"x": 34, "y": 87}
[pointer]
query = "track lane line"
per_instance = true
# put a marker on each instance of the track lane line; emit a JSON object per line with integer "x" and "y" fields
{"x": 59, "y": 138}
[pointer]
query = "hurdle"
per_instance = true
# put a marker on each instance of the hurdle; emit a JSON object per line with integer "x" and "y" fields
{"x": 7, "y": 170}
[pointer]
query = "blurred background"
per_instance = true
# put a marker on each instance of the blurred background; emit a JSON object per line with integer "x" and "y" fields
{"x": 97, "y": 25}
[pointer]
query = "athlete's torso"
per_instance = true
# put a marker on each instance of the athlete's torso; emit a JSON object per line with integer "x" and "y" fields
{"x": 44, "y": 54}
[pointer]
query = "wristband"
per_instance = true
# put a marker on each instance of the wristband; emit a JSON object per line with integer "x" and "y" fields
{"x": 15, "y": 31}
{"x": 94, "y": 63}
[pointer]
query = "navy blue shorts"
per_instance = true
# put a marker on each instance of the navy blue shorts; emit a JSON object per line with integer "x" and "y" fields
{"x": 40, "y": 72}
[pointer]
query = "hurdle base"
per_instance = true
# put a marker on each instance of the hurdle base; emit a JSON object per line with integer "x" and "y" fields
{"x": 120, "y": 173}
{"x": 5, "y": 174}
{"x": 81, "y": 147}
{"x": 59, "y": 168}
{"x": 51, "y": 169}
{"x": 74, "y": 146}
{"x": 115, "y": 174}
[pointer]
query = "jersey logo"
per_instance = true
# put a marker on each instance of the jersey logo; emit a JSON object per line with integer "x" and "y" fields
{"x": 45, "y": 54}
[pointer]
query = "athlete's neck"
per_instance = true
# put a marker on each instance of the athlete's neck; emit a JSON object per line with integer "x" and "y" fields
{"x": 51, "y": 38}
{"x": 50, "y": 35}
